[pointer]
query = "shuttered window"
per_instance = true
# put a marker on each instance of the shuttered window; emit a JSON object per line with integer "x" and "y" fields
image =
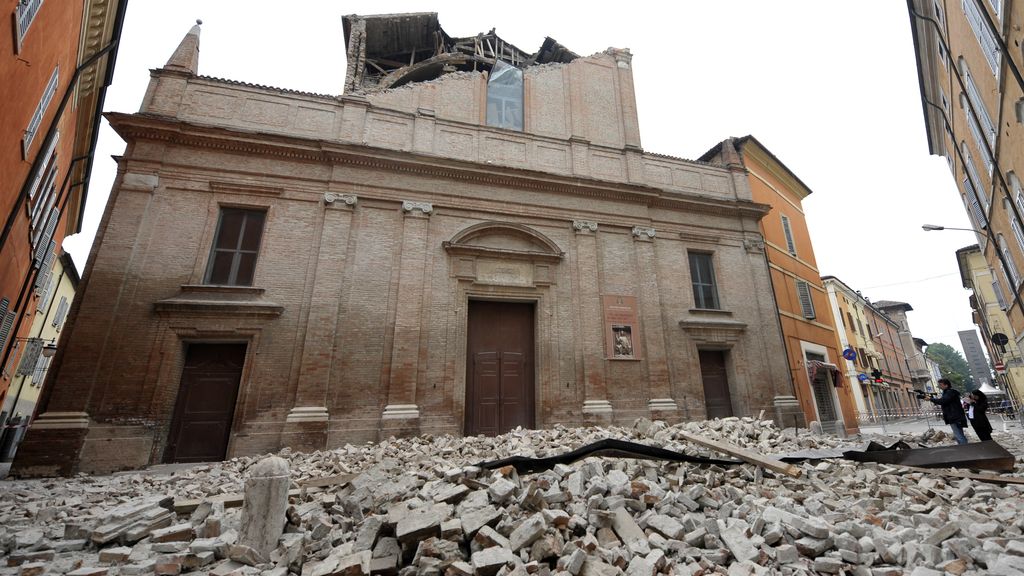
{"x": 61, "y": 313}
{"x": 43, "y": 276}
{"x": 233, "y": 258}
{"x": 42, "y": 365}
{"x": 37, "y": 116}
{"x": 997, "y": 287}
{"x": 788, "y": 231}
{"x": 978, "y": 105}
{"x": 803, "y": 291}
{"x": 6, "y": 321}
{"x": 1011, "y": 269}
{"x": 46, "y": 241}
{"x": 25, "y": 16}
{"x": 702, "y": 275}
{"x": 986, "y": 37}
{"x": 979, "y": 137}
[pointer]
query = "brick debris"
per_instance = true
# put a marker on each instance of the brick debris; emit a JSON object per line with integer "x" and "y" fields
{"x": 420, "y": 506}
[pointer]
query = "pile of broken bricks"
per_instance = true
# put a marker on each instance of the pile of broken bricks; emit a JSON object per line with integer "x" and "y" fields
{"x": 423, "y": 506}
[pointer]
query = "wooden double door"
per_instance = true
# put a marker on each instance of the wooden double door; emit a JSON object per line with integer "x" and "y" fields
{"x": 201, "y": 424}
{"x": 500, "y": 367}
{"x": 715, "y": 377}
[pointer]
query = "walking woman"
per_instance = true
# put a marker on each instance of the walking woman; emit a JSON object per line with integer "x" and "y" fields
{"x": 977, "y": 405}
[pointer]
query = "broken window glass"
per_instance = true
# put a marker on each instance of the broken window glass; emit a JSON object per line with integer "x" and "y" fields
{"x": 505, "y": 97}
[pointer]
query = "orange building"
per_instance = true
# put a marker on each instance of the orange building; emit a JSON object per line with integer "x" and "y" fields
{"x": 56, "y": 59}
{"x": 812, "y": 344}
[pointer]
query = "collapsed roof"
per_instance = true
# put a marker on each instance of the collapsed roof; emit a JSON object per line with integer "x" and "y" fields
{"x": 389, "y": 50}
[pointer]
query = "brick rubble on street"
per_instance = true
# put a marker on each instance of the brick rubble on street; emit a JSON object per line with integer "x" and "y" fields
{"x": 421, "y": 506}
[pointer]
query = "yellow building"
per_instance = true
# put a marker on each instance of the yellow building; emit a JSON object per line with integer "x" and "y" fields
{"x": 989, "y": 305}
{"x": 28, "y": 373}
{"x": 972, "y": 93}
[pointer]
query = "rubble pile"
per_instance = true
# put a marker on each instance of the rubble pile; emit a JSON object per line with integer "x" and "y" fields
{"x": 423, "y": 506}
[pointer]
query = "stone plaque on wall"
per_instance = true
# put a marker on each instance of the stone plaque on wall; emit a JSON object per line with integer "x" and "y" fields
{"x": 504, "y": 272}
{"x": 621, "y": 327}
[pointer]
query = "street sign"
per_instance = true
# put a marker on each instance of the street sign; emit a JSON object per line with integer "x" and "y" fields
{"x": 1000, "y": 339}
{"x": 862, "y": 377}
{"x": 1000, "y": 368}
{"x": 850, "y": 354}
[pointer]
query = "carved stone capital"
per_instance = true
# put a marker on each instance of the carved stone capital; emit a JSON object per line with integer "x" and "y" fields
{"x": 410, "y": 207}
{"x": 754, "y": 245}
{"x": 332, "y": 198}
{"x": 643, "y": 233}
{"x": 584, "y": 226}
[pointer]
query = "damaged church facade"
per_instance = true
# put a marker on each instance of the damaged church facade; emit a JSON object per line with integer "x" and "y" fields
{"x": 469, "y": 239}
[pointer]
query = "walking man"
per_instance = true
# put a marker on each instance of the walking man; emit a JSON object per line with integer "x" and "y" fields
{"x": 952, "y": 409}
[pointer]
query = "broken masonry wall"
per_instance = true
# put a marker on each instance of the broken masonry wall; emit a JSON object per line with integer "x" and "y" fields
{"x": 590, "y": 99}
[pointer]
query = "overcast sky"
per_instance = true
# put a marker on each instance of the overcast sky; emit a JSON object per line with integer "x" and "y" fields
{"x": 829, "y": 87}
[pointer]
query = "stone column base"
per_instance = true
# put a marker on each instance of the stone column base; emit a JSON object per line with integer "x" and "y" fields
{"x": 53, "y": 445}
{"x": 788, "y": 413}
{"x": 400, "y": 420}
{"x": 597, "y": 412}
{"x": 664, "y": 409}
{"x": 305, "y": 429}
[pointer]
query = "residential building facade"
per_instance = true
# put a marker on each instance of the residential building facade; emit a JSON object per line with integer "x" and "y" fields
{"x": 990, "y": 316}
{"x": 812, "y": 344}
{"x": 972, "y": 93}
{"x": 880, "y": 371}
{"x": 463, "y": 244}
{"x": 56, "y": 60}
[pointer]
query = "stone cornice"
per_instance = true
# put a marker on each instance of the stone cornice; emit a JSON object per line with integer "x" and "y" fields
{"x": 152, "y": 127}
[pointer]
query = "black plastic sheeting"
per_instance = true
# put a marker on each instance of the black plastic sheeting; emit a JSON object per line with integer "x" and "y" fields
{"x": 608, "y": 447}
{"x": 987, "y": 455}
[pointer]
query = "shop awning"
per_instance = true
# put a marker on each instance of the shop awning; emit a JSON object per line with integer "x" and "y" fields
{"x": 816, "y": 366}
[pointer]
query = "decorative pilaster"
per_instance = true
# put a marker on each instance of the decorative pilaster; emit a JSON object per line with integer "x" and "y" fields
{"x": 52, "y": 446}
{"x": 306, "y": 425}
{"x": 660, "y": 402}
{"x": 591, "y": 337}
{"x": 401, "y": 415}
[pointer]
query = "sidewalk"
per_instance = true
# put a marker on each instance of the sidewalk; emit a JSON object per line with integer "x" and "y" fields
{"x": 918, "y": 425}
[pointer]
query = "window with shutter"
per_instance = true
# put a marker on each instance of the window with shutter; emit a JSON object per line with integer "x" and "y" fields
{"x": 25, "y": 15}
{"x": 997, "y": 287}
{"x": 40, "y": 372}
{"x": 47, "y": 238}
{"x": 1011, "y": 269}
{"x": 6, "y": 320}
{"x": 803, "y": 290}
{"x": 10, "y": 359}
{"x": 61, "y": 313}
{"x": 43, "y": 276}
{"x": 37, "y": 116}
{"x": 986, "y": 37}
{"x": 788, "y": 231}
{"x": 978, "y": 105}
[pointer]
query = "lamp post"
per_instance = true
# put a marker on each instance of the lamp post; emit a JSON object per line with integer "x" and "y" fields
{"x": 933, "y": 227}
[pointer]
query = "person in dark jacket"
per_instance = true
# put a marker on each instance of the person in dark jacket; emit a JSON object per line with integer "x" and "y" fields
{"x": 977, "y": 406}
{"x": 952, "y": 409}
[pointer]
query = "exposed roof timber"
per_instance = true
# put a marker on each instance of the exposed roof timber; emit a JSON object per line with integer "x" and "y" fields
{"x": 389, "y": 50}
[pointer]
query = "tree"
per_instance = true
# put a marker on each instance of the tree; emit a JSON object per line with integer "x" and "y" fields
{"x": 952, "y": 365}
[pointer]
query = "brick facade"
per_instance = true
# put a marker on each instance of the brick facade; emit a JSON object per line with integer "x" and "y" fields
{"x": 385, "y": 215}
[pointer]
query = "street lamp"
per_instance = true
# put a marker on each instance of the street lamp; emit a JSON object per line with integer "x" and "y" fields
{"x": 931, "y": 227}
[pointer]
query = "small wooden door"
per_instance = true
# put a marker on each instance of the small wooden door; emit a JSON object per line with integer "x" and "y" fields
{"x": 717, "y": 399}
{"x": 499, "y": 367}
{"x": 201, "y": 424}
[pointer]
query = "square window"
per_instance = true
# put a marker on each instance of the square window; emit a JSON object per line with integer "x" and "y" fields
{"x": 235, "y": 247}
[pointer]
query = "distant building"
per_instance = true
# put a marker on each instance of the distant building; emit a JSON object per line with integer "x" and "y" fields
{"x": 808, "y": 327}
{"x": 56, "y": 60}
{"x": 972, "y": 93}
{"x": 913, "y": 358}
{"x": 880, "y": 373}
{"x": 976, "y": 361}
{"x": 990, "y": 317}
{"x": 470, "y": 239}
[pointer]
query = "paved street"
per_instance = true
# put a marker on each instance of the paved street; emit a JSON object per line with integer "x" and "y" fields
{"x": 919, "y": 425}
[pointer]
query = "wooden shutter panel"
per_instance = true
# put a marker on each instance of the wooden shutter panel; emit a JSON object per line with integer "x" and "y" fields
{"x": 44, "y": 243}
{"x": 6, "y": 320}
{"x": 43, "y": 277}
{"x": 62, "y": 309}
{"x": 790, "y": 245}
{"x": 803, "y": 290}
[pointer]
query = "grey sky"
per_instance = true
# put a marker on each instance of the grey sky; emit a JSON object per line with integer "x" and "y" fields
{"x": 829, "y": 87}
